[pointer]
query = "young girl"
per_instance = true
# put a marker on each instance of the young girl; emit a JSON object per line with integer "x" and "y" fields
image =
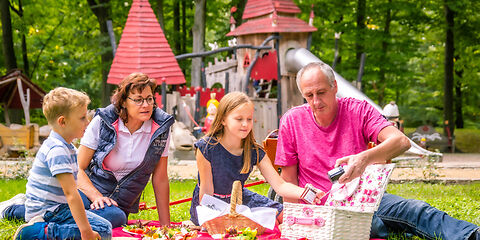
{"x": 228, "y": 153}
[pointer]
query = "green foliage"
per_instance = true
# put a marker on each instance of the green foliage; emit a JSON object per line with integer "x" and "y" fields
{"x": 404, "y": 64}
{"x": 466, "y": 140}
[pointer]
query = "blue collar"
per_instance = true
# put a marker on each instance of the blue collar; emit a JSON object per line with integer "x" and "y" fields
{"x": 57, "y": 136}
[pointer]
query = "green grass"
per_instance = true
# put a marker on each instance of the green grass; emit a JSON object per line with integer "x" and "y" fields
{"x": 459, "y": 201}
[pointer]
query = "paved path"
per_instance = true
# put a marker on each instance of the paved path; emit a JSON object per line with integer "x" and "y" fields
{"x": 454, "y": 168}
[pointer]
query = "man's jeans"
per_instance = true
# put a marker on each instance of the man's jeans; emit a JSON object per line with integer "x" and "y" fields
{"x": 398, "y": 215}
{"x": 111, "y": 213}
{"x": 61, "y": 224}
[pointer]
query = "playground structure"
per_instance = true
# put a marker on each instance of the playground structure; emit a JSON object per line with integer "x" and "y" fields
{"x": 271, "y": 47}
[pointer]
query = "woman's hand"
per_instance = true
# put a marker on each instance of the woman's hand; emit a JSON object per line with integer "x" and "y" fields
{"x": 100, "y": 202}
{"x": 318, "y": 197}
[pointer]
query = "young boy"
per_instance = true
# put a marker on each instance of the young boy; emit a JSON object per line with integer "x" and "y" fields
{"x": 54, "y": 208}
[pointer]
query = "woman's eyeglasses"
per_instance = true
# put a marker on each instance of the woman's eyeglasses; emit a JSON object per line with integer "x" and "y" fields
{"x": 139, "y": 101}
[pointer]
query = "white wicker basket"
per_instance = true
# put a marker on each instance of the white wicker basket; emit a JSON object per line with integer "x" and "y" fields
{"x": 324, "y": 223}
{"x": 348, "y": 219}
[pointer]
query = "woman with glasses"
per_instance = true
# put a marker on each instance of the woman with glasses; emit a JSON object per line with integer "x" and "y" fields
{"x": 125, "y": 144}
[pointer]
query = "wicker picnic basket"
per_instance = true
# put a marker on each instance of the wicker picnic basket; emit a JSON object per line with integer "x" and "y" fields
{"x": 233, "y": 219}
{"x": 324, "y": 222}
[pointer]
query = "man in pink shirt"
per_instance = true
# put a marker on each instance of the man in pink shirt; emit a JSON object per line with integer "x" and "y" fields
{"x": 329, "y": 131}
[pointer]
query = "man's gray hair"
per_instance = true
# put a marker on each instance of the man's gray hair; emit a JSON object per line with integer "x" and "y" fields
{"x": 324, "y": 68}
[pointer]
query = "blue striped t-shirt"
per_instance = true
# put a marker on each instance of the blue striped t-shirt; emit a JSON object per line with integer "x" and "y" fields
{"x": 44, "y": 192}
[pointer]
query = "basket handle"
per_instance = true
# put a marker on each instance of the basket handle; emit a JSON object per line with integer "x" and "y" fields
{"x": 236, "y": 197}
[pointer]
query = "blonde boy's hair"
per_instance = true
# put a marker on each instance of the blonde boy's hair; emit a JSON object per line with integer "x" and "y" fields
{"x": 62, "y": 101}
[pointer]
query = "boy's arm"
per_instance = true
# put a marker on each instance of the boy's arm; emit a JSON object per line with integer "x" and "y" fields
{"x": 75, "y": 204}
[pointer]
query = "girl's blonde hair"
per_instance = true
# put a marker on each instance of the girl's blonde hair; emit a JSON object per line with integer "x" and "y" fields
{"x": 228, "y": 103}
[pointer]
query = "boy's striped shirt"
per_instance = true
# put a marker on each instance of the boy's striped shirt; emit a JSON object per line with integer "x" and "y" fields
{"x": 44, "y": 192}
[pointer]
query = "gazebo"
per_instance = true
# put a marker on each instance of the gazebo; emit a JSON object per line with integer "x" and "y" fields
{"x": 12, "y": 94}
{"x": 18, "y": 92}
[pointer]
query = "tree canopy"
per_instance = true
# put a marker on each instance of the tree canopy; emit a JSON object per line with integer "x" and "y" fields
{"x": 404, "y": 43}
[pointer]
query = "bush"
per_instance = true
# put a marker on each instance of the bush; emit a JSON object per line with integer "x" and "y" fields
{"x": 466, "y": 140}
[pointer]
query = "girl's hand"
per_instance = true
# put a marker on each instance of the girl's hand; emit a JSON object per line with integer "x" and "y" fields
{"x": 91, "y": 235}
{"x": 100, "y": 202}
{"x": 318, "y": 198}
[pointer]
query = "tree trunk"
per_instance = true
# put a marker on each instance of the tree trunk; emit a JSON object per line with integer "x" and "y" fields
{"x": 101, "y": 9}
{"x": 184, "y": 28}
{"x": 383, "y": 58}
{"x": 448, "y": 81}
{"x": 361, "y": 6}
{"x": 160, "y": 17}
{"x": 7, "y": 35}
{"x": 458, "y": 99}
{"x": 198, "y": 40}
{"x": 26, "y": 65}
{"x": 176, "y": 26}
{"x": 240, "y": 4}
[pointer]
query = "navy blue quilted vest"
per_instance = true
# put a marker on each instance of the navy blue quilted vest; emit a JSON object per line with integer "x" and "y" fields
{"x": 128, "y": 190}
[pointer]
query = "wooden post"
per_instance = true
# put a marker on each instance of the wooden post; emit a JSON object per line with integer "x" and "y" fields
{"x": 164, "y": 94}
{"x": 25, "y": 101}
{"x": 5, "y": 113}
{"x": 227, "y": 82}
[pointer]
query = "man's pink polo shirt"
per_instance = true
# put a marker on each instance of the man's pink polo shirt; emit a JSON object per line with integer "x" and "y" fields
{"x": 315, "y": 149}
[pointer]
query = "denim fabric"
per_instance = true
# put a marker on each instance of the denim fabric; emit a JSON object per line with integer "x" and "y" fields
{"x": 113, "y": 214}
{"x": 249, "y": 199}
{"x": 61, "y": 224}
{"x": 15, "y": 212}
{"x": 127, "y": 191}
{"x": 413, "y": 217}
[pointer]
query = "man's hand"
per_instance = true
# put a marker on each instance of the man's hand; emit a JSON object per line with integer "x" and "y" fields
{"x": 356, "y": 166}
{"x": 100, "y": 202}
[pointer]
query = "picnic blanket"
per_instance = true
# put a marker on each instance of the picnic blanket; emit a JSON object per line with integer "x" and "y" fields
{"x": 118, "y": 232}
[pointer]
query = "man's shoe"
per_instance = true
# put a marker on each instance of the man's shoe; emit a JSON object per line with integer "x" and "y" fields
{"x": 18, "y": 199}
{"x": 33, "y": 230}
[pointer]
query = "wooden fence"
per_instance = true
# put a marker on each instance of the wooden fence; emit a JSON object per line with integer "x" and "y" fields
{"x": 265, "y": 117}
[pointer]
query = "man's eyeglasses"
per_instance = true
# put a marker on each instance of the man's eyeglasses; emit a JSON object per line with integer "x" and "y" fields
{"x": 139, "y": 101}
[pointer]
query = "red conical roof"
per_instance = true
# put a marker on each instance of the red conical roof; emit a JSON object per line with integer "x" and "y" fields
{"x": 271, "y": 16}
{"x": 144, "y": 48}
{"x": 256, "y": 8}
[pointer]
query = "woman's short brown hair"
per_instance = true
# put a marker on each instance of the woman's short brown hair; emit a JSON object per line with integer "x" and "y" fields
{"x": 134, "y": 82}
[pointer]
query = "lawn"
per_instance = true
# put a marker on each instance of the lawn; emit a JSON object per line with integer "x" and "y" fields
{"x": 460, "y": 201}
